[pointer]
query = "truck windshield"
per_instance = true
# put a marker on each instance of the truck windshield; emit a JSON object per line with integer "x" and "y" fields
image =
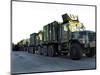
{"x": 91, "y": 35}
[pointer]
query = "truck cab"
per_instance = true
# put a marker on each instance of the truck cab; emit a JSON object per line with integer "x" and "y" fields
{"x": 76, "y": 38}
{"x": 87, "y": 39}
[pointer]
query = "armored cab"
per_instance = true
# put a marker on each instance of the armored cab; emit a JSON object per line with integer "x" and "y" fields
{"x": 72, "y": 39}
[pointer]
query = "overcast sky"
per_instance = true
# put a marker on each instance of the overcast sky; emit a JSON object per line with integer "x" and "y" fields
{"x": 28, "y": 18}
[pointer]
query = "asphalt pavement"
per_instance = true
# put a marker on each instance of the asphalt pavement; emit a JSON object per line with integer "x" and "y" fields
{"x": 23, "y": 62}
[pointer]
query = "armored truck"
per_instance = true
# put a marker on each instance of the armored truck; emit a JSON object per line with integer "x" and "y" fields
{"x": 66, "y": 38}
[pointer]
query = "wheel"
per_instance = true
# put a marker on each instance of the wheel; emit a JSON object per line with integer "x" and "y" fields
{"x": 33, "y": 50}
{"x": 76, "y": 51}
{"x": 25, "y": 49}
{"x": 91, "y": 53}
{"x": 51, "y": 51}
{"x": 44, "y": 50}
{"x": 39, "y": 50}
{"x": 28, "y": 49}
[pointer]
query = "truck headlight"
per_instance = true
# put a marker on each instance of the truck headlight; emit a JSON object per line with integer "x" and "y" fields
{"x": 82, "y": 40}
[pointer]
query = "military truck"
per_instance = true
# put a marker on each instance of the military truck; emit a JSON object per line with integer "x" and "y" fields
{"x": 23, "y": 45}
{"x": 32, "y": 45}
{"x": 66, "y": 38}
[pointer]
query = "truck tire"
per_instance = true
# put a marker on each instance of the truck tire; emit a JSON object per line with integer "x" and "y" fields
{"x": 91, "y": 53}
{"x": 76, "y": 51}
{"x": 33, "y": 50}
{"x": 29, "y": 50}
{"x": 25, "y": 49}
{"x": 51, "y": 51}
{"x": 45, "y": 49}
{"x": 39, "y": 50}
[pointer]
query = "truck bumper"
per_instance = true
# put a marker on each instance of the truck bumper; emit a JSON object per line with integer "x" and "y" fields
{"x": 92, "y": 44}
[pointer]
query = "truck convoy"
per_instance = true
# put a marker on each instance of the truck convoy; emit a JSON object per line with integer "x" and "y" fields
{"x": 66, "y": 38}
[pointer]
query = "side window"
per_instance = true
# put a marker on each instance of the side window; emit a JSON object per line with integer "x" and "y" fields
{"x": 65, "y": 26}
